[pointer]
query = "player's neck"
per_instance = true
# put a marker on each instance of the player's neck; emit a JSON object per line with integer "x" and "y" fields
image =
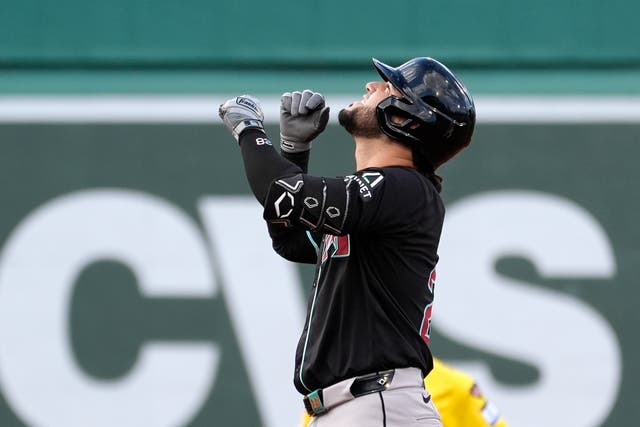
{"x": 381, "y": 152}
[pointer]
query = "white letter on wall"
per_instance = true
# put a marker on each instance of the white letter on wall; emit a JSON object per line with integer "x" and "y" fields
{"x": 570, "y": 343}
{"x": 38, "y": 267}
{"x": 265, "y": 302}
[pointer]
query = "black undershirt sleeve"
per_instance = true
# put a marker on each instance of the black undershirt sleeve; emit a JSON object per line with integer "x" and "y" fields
{"x": 262, "y": 163}
{"x": 300, "y": 159}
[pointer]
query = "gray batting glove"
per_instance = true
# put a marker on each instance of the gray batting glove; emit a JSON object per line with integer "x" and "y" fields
{"x": 241, "y": 113}
{"x": 303, "y": 116}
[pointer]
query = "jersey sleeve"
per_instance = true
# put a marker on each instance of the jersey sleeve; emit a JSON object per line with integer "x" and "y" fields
{"x": 369, "y": 200}
{"x": 295, "y": 202}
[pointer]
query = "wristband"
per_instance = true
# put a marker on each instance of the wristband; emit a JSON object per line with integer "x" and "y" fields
{"x": 294, "y": 146}
{"x": 244, "y": 125}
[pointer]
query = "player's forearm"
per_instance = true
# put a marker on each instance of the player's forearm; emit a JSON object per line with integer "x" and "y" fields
{"x": 300, "y": 159}
{"x": 262, "y": 163}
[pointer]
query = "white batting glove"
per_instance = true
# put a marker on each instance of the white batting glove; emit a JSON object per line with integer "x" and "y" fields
{"x": 303, "y": 116}
{"x": 241, "y": 113}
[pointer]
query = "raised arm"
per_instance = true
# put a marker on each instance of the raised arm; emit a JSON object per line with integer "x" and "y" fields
{"x": 303, "y": 115}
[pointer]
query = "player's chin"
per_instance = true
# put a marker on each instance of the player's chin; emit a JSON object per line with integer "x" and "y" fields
{"x": 346, "y": 119}
{"x": 353, "y": 105}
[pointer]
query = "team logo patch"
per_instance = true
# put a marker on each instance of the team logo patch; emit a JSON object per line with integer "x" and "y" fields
{"x": 335, "y": 246}
{"x": 366, "y": 182}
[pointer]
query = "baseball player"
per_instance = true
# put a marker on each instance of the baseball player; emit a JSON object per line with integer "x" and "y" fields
{"x": 457, "y": 397}
{"x": 373, "y": 235}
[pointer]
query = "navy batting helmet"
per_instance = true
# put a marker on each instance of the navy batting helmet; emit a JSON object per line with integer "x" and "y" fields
{"x": 436, "y": 110}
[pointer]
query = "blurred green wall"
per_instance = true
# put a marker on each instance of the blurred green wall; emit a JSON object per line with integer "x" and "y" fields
{"x": 206, "y": 46}
{"x": 317, "y": 33}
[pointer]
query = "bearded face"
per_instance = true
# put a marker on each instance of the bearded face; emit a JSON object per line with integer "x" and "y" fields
{"x": 360, "y": 121}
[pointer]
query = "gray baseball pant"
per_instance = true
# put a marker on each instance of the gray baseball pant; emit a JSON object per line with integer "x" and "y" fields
{"x": 405, "y": 403}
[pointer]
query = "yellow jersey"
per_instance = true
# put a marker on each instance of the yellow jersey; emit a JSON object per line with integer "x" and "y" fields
{"x": 458, "y": 399}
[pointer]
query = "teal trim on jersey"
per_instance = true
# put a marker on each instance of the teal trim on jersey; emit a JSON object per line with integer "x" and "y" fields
{"x": 306, "y": 340}
{"x": 313, "y": 242}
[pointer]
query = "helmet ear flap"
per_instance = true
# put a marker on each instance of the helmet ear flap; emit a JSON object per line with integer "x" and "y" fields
{"x": 385, "y": 112}
{"x": 406, "y": 130}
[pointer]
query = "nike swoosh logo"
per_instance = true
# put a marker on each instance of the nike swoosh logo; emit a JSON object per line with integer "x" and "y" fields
{"x": 426, "y": 399}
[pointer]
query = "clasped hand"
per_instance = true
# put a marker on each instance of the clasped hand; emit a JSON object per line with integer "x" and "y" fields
{"x": 303, "y": 116}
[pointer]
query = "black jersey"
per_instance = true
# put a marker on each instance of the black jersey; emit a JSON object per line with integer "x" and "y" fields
{"x": 374, "y": 237}
{"x": 370, "y": 305}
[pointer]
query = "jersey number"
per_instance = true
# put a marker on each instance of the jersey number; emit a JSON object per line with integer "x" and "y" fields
{"x": 425, "y": 327}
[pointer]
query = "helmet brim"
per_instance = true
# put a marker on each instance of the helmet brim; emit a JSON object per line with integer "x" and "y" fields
{"x": 390, "y": 74}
